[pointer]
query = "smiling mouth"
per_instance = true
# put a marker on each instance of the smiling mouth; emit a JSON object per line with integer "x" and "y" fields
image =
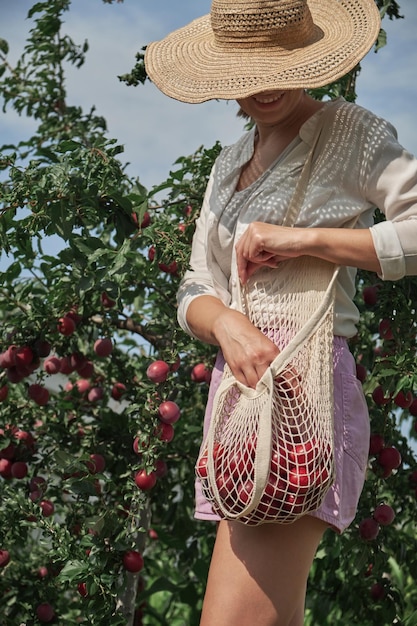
{"x": 268, "y": 99}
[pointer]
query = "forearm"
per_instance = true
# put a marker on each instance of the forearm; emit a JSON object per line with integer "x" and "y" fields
{"x": 354, "y": 248}
{"x": 203, "y": 315}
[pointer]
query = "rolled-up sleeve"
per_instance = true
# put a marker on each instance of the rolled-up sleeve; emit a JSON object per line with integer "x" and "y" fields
{"x": 392, "y": 187}
{"x": 199, "y": 279}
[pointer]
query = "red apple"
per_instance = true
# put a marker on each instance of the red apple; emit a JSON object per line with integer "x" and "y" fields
{"x": 369, "y": 528}
{"x": 82, "y": 385}
{"x": 376, "y": 443}
{"x": 377, "y": 592}
{"x": 168, "y": 268}
{"x": 169, "y": 412}
{"x": 106, "y": 301}
{"x": 370, "y": 294}
{"x": 161, "y": 468}
{"x": 42, "y": 348}
{"x": 201, "y": 467}
{"x": 361, "y": 372}
{"x": 103, "y": 347}
{"x": 47, "y": 507}
{"x": 384, "y": 514}
{"x": 45, "y": 612}
{"x": 4, "y": 392}
{"x": 38, "y": 394}
{"x": 200, "y": 373}
{"x": 385, "y": 330}
{"x": 52, "y": 365}
{"x": 6, "y": 468}
{"x": 145, "y": 481}
{"x": 403, "y": 399}
{"x": 117, "y": 391}
{"x": 132, "y": 561}
{"x": 389, "y": 458}
{"x": 4, "y": 558}
{"x": 379, "y": 396}
{"x": 158, "y": 371}
{"x": 95, "y": 394}
{"x": 19, "y": 469}
{"x": 96, "y": 464}
{"x": 165, "y": 432}
{"x": 82, "y": 589}
{"x": 66, "y": 325}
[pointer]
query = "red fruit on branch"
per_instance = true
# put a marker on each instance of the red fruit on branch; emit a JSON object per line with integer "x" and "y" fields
{"x": 376, "y": 443}
{"x": 133, "y": 561}
{"x": 158, "y": 371}
{"x": 369, "y": 528}
{"x": 47, "y": 507}
{"x": 95, "y": 394}
{"x": 403, "y": 399}
{"x": 389, "y": 458}
{"x": 66, "y": 325}
{"x": 200, "y": 373}
{"x": 361, "y": 372}
{"x": 6, "y": 468}
{"x": 161, "y": 468}
{"x": 96, "y": 464}
{"x": 145, "y": 481}
{"x": 379, "y": 397}
{"x": 82, "y": 589}
{"x": 4, "y": 558}
{"x": 19, "y": 469}
{"x": 413, "y": 407}
{"x": 370, "y": 295}
{"x": 106, "y": 301}
{"x": 165, "y": 432}
{"x": 103, "y": 347}
{"x": 38, "y": 394}
{"x": 45, "y": 613}
{"x": 385, "y": 330}
{"x": 377, "y": 592}
{"x": 117, "y": 391}
{"x": 384, "y": 514}
{"x": 4, "y": 392}
{"x": 169, "y": 412}
{"x": 52, "y": 365}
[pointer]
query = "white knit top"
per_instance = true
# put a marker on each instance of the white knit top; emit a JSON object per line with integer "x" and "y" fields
{"x": 358, "y": 165}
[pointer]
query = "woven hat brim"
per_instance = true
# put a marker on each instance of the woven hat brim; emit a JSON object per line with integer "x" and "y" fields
{"x": 189, "y": 66}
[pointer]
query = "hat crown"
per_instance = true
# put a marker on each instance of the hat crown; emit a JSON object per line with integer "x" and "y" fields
{"x": 284, "y": 23}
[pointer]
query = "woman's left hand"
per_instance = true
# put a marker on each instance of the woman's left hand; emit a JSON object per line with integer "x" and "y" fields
{"x": 265, "y": 245}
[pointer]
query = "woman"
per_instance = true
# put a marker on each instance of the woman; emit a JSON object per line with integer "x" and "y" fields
{"x": 264, "y": 54}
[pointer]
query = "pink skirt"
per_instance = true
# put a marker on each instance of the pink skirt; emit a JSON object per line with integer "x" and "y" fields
{"x": 352, "y": 430}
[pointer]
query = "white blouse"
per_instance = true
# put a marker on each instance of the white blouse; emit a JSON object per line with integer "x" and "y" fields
{"x": 358, "y": 165}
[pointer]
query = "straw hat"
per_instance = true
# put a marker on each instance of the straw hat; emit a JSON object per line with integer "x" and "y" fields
{"x": 248, "y": 46}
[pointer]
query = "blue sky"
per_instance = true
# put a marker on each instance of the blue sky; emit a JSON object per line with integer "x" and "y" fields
{"x": 154, "y": 129}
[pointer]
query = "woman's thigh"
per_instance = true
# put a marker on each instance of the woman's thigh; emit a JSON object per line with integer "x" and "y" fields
{"x": 258, "y": 574}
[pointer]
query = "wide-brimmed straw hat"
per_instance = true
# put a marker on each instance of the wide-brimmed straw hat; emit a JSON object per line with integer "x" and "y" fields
{"x": 248, "y": 46}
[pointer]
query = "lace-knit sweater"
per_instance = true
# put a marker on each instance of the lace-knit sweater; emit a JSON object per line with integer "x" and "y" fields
{"x": 358, "y": 165}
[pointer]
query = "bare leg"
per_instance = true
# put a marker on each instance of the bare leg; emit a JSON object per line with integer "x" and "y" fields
{"x": 258, "y": 574}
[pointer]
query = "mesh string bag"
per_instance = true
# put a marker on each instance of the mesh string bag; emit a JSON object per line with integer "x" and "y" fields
{"x": 269, "y": 453}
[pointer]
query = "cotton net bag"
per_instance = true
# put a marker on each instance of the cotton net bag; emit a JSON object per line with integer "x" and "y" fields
{"x": 268, "y": 455}
{"x": 269, "y": 452}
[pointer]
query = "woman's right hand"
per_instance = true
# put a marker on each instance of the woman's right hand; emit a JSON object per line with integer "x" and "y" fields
{"x": 247, "y": 351}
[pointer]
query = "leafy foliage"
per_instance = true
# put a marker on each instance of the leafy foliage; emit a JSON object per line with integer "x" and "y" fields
{"x": 89, "y": 251}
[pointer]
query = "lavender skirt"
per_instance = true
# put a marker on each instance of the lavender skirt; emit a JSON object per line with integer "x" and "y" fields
{"x": 352, "y": 431}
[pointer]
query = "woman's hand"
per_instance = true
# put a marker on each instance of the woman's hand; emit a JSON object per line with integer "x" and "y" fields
{"x": 246, "y": 349}
{"x": 265, "y": 245}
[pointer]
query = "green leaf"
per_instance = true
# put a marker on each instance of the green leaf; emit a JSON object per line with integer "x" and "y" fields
{"x": 73, "y": 570}
{"x": 4, "y": 46}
